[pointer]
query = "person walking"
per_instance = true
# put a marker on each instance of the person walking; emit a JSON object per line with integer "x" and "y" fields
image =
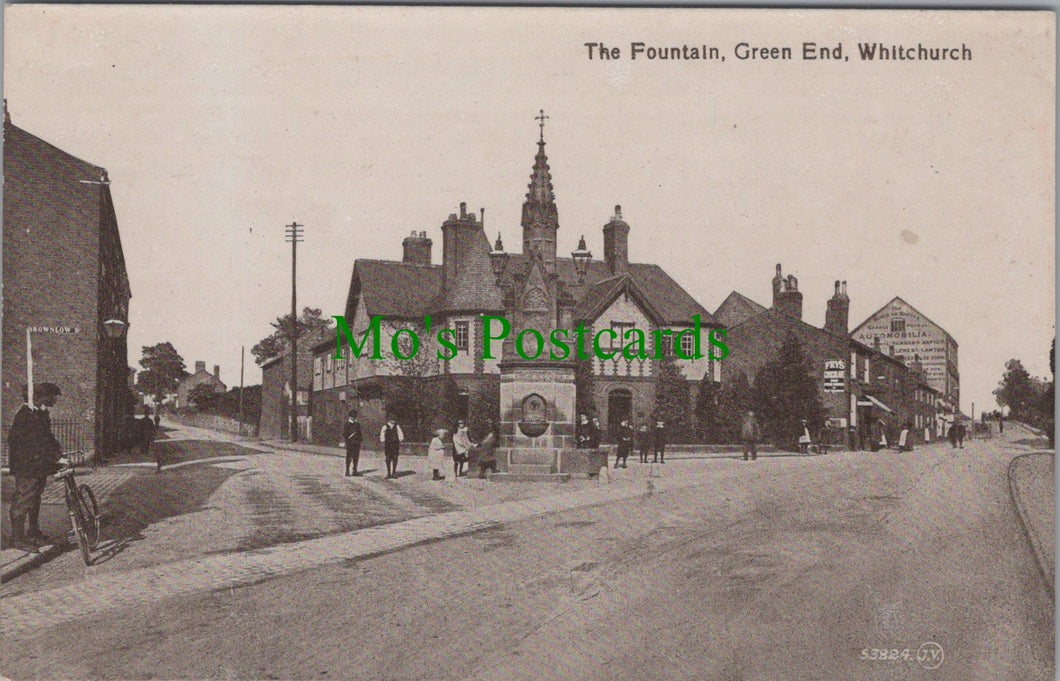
{"x": 750, "y": 434}
{"x": 462, "y": 445}
{"x": 436, "y": 456}
{"x": 660, "y": 442}
{"x": 879, "y": 435}
{"x": 351, "y": 440}
{"x": 1000, "y": 423}
{"x": 625, "y": 442}
{"x": 804, "y": 438}
{"x": 34, "y": 453}
{"x": 391, "y": 437}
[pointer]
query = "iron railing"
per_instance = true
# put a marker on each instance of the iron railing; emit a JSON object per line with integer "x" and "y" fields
{"x": 71, "y": 435}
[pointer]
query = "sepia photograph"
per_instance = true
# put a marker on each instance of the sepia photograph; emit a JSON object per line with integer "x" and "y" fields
{"x": 472, "y": 342}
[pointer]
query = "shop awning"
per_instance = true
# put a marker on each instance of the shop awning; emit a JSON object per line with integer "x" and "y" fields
{"x": 877, "y": 403}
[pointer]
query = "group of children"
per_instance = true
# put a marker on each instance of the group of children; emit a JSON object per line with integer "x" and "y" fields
{"x": 460, "y": 450}
{"x": 649, "y": 438}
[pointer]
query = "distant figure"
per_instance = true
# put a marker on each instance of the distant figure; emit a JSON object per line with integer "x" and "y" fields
{"x": 750, "y": 434}
{"x": 34, "y": 455}
{"x": 1000, "y": 423}
{"x": 879, "y": 435}
{"x": 644, "y": 440}
{"x": 625, "y": 442}
{"x": 158, "y": 416}
{"x": 959, "y": 431}
{"x": 145, "y": 435}
{"x": 804, "y": 438}
{"x": 587, "y": 436}
{"x": 436, "y": 454}
{"x": 391, "y": 437}
{"x": 487, "y": 458}
{"x": 903, "y": 438}
{"x": 660, "y": 442}
{"x": 351, "y": 440}
{"x": 462, "y": 446}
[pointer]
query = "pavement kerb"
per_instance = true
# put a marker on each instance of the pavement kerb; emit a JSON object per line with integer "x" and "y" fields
{"x": 100, "y": 593}
{"x": 15, "y": 566}
{"x": 1027, "y": 526}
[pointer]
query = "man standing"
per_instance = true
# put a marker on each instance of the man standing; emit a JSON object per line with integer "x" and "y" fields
{"x": 351, "y": 438}
{"x": 750, "y": 433}
{"x": 391, "y": 437}
{"x": 959, "y": 431}
{"x": 660, "y": 442}
{"x": 625, "y": 442}
{"x": 34, "y": 454}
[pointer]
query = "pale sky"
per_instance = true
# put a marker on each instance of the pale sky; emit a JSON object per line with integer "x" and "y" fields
{"x": 933, "y": 181}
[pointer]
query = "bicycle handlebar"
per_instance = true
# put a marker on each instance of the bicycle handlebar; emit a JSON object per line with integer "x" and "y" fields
{"x": 75, "y": 458}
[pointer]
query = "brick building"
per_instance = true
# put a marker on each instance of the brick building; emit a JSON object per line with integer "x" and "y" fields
{"x": 474, "y": 279}
{"x": 200, "y": 377}
{"x": 857, "y": 383}
{"x": 64, "y": 269}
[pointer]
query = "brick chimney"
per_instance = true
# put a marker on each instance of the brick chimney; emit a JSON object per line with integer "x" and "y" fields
{"x": 837, "y": 316}
{"x": 616, "y": 243}
{"x": 217, "y": 372}
{"x": 200, "y": 366}
{"x": 786, "y": 295}
{"x": 417, "y": 249}
{"x": 457, "y": 234}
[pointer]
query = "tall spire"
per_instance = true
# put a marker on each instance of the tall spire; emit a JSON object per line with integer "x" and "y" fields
{"x": 540, "y": 217}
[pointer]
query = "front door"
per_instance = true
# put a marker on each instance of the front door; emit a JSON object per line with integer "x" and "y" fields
{"x": 619, "y": 407}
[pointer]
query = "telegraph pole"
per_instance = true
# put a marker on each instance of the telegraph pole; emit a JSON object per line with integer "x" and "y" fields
{"x": 242, "y": 354}
{"x": 294, "y": 234}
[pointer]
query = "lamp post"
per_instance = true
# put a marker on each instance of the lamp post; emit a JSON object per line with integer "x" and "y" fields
{"x": 498, "y": 258}
{"x": 582, "y": 257}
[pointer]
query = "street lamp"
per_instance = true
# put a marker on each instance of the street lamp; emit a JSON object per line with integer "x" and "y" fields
{"x": 114, "y": 328}
{"x": 582, "y": 257}
{"x": 498, "y": 258}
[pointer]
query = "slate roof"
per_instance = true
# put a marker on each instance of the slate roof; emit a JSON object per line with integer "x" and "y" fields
{"x": 395, "y": 289}
{"x": 736, "y": 308}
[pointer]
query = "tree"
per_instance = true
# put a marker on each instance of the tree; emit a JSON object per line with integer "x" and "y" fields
{"x": 735, "y": 400}
{"x": 163, "y": 369}
{"x": 673, "y": 398}
{"x": 708, "y": 414}
{"x": 203, "y": 397}
{"x": 1018, "y": 391}
{"x": 274, "y": 344}
{"x": 785, "y": 392}
{"x": 584, "y": 387}
{"x": 484, "y": 406}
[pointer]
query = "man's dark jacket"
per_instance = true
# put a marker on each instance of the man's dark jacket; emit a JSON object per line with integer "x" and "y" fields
{"x": 34, "y": 451}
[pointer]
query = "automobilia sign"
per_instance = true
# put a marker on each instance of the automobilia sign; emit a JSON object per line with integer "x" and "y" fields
{"x": 531, "y": 344}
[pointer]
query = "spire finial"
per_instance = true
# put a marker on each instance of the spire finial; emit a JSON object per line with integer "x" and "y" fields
{"x": 541, "y": 117}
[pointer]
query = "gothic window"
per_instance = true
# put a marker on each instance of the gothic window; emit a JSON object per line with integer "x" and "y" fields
{"x": 535, "y": 300}
{"x": 462, "y": 331}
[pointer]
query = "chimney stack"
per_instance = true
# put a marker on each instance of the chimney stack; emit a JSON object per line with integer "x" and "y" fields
{"x": 417, "y": 249}
{"x": 616, "y": 243}
{"x": 200, "y": 366}
{"x": 837, "y": 316}
{"x": 217, "y": 372}
{"x": 786, "y": 295}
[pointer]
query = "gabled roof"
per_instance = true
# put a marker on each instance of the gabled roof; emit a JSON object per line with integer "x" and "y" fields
{"x": 898, "y": 299}
{"x": 394, "y": 289}
{"x": 660, "y": 292}
{"x": 598, "y": 297}
{"x": 736, "y": 308}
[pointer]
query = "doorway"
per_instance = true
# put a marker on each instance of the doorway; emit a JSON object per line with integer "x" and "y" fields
{"x": 619, "y": 407}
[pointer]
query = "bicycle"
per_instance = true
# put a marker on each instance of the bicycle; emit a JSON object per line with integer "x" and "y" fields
{"x": 81, "y": 505}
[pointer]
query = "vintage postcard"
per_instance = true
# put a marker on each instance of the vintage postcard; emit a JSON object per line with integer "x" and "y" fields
{"x": 382, "y": 342}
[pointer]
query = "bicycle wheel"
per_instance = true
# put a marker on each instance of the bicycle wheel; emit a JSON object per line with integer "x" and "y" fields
{"x": 79, "y": 521}
{"x": 91, "y": 514}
